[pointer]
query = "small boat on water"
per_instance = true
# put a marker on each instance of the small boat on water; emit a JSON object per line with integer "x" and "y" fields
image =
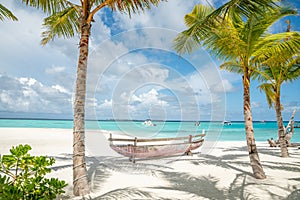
{"x": 155, "y": 147}
{"x": 149, "y": 122}
{"x": 197, "y": 123}
{"x": 226, "y": 123}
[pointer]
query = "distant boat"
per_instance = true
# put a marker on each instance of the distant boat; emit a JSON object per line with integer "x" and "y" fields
{"x": 197, "y": 123}
{"x": 228, "y": 123}
{"x": 148, "y": 122}
{"x": 297, "y": 125}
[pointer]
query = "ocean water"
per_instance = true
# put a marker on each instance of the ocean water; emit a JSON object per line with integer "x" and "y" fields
{"x": 214, "y": 130}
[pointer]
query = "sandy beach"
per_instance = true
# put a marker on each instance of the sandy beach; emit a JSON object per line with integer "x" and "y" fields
{"x": 222, "y": 173}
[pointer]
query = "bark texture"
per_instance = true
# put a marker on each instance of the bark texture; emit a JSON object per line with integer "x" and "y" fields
{"x": 253, "y": 154}
{"x": 80, "y": 179}
{"x": 281, "y": 132}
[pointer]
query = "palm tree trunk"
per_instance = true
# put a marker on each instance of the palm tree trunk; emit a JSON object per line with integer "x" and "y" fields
{"x": 281, "y": 133}
{"x": 80, "y": 179}
{"x": 253, "y": 154}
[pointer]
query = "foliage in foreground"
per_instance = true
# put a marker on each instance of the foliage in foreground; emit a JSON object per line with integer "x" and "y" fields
{"x": 22, "y": 176}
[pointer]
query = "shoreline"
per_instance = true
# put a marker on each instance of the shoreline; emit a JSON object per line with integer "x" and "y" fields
{"x": 136, "y": 120}
{"x": 224, "y": 172}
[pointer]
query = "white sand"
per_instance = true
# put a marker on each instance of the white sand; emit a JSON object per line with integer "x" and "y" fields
{"x": 224, "y": 173}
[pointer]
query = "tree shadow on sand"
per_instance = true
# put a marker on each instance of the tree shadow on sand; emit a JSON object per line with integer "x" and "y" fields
{"x": 191, "y": 186}
{"x": 238, "y": 188}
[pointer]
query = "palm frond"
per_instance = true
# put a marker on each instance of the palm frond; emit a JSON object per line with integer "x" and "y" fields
{"x": 62, "y": 24}
{"x": 245, "y": 8}
{"x": 256, "y": 26}
{"x": 265, "y": 73}
{"x": 190, "y": 39}
{"x": 5, "y": 13}
{"x": 224, "y": 41}
{"x": 232, "y": 67}
{"x": 277, "y": 72}
{"x": 291, "y": 70}
{"x": 275, "y": 46}
{"x": 131, "y": 6}
{"x": 186, "y": 42}
{"x": 47, "y": 6}
{"x": 216, "y": 36}
{"x": 268, "y": 89}
{"x": 198, "y": 15}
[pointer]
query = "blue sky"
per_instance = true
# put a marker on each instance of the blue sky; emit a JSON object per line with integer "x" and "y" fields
{"x": 133, "y": 71}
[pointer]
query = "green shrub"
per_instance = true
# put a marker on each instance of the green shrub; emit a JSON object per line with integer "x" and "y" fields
{"x": 22, "y": 176}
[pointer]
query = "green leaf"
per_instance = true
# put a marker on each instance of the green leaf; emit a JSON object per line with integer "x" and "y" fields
{"x": 29, "y": 181}
{"x": 20, "y": 150}
{"x": 61, "y": 24}
{"x": 5, "y": 13}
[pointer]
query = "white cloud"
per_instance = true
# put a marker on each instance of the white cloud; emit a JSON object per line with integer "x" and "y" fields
{"x": 224, "y": 86}
{"x": 101, "y": 31}
{"x": 29, "y": 95}
{"x": 127, "y": 77}
{"x": 61, "y": 89}
{"x": 148, "y": 99}
{"x": 166, "y": 15}
{"x": 55, "y": 69}
{"x": 27, "y": 81}
{"x": 119, "y": 71}
{"x": 106, "y": 104}
{"x": 139, "y": 106}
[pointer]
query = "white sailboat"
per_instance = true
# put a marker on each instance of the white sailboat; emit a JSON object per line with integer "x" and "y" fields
{"x": 149, "y": 122}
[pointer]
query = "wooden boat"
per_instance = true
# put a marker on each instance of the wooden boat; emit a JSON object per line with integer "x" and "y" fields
{"x": 138, "y": 148}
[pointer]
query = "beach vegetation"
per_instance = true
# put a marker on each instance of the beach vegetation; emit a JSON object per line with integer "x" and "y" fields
{"x": 276, "y": 71}
{"x": 6, "y": 14}
{"x": 65, "y": 19}
{"x": 23, "y": 176}
{"x": 237, "y": 34}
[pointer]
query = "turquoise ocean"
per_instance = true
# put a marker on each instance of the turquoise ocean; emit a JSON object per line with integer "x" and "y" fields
{"x": 214, "y": 130}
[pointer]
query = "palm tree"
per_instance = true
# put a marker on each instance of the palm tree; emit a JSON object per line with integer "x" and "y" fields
{"x": 5, "y": 13}
{"x": 65, "y": 19}
{"x": 237, "y": 34}
{"x": 274, "y": 74}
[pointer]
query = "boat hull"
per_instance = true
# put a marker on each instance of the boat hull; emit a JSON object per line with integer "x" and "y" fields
{"x": 149, "y": 151}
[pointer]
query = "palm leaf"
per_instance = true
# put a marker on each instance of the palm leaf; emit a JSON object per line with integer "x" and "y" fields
{"x": 186, "y": 42}
{"x": 291, "y": 71}
{"x": 47, "y": 6}
{"x": 198, "y": 15}
{"x": 62, "y": 24}
{"x": 5, "y": 13}
{"x": 245, "y": 8}
{"x": 265, "y": 73}
{"x": 213, "y": 35}
{"x": 257, "y": 26}
{"x": 267, "y": 88}
{"x": 276, "y": 47}
{"x": 225, "y": 43}
{"x": 232, "y": 67}
{"x": 131, "y": 6}
{"x": 189, "y": 39}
